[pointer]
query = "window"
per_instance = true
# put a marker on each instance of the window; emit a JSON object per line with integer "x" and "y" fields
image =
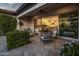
{"x": 68, "y": 24}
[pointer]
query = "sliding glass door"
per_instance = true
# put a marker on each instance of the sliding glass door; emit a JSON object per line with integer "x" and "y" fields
{"x": 68, "y": 25}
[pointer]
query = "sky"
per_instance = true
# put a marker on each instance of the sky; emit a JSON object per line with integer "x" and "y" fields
{"x": 10, "y": 6}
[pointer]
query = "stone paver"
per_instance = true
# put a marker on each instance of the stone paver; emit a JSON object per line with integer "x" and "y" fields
{"x": 3, "y": 44}
{"x": 36, "y": 48}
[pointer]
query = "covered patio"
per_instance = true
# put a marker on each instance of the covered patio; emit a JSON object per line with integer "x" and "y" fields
{"x": 52, "y": 15}
{"x": 64, "y": 17}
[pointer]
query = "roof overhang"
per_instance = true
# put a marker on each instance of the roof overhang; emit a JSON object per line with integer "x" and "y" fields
{"x": 22, "y": 8}
{"x": 7, "y": 12}
{"x": 48, "y": 7}
{"x": 31, "y": 9}
{"x": 40, "y": 6}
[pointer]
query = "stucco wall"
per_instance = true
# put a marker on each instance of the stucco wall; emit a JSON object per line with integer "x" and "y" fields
{"x": 26, "y": 24}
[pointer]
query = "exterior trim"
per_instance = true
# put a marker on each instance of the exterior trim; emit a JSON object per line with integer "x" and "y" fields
{"x": 24, "y": 7}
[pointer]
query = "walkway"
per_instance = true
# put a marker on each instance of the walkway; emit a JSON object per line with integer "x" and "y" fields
{"x": 36, "y": 48}
{"x": 3, "y": 44}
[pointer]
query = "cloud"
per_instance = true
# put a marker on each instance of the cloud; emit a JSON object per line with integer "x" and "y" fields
{"x": 10, "y": 6}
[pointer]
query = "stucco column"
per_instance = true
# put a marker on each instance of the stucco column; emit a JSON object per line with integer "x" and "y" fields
{"x": 18, "y": 27}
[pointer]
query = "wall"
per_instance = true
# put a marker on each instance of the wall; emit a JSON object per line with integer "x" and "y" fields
{"x": 26, "y": 24}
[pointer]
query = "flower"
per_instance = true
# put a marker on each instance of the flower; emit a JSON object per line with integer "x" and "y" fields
{"x": 69, "y": 43}
{"x": 62, "y": 48}
{"x": 66, "y": 42}
{"x": 73, "y": 41}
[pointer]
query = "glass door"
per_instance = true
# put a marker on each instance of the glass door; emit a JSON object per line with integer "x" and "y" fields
{"x": 68, "y": 25}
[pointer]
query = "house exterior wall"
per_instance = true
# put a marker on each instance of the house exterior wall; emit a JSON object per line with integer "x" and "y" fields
{"x": 26, "y": 24}
{"x": 58, "y": 11}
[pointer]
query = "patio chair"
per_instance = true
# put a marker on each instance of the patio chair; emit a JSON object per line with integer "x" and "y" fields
{"x": 46, "y": 37}
{"x": 55, "y": 34}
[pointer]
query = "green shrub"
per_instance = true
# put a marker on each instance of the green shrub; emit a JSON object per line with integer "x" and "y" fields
{"x": 17, "y": 38}
{"x": 70, "y": 49}
{"x": 7, "y": 23}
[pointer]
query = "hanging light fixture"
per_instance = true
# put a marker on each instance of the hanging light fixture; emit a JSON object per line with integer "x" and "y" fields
{"x": 43, "y": 12}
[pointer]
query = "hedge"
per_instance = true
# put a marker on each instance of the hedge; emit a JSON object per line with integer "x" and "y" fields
{"x": 17, "y": 38}
{"x": 7, "y": 23}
